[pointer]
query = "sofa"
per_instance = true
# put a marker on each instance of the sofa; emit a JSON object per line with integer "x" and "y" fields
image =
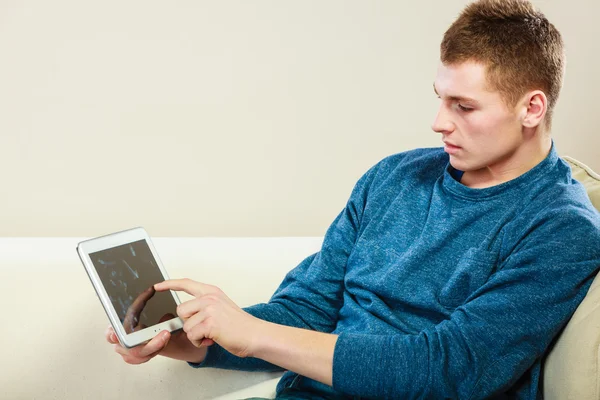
{"x": 571, "y": 368}
{"x": 53, "y": 344}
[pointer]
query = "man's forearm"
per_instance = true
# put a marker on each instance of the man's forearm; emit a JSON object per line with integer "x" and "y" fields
{"x": 305, "y": 352}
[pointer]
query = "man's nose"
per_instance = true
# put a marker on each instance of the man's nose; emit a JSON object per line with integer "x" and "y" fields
{"x": 442, "y": 123}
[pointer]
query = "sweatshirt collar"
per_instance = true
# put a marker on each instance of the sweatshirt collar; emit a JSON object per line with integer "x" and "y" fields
{"x": 537, "y": 172}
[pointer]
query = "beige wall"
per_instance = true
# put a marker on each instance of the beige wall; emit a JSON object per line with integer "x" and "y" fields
{"x": 233, "y": 117}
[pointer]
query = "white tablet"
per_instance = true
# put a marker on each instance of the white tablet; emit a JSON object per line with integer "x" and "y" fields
{"x": 123, "y": 268}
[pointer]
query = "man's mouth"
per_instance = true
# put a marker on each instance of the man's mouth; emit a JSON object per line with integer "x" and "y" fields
{"x": 451, "y": 148}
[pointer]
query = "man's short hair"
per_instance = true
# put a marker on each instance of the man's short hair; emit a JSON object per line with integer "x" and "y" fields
{"x": 519, "y": 47}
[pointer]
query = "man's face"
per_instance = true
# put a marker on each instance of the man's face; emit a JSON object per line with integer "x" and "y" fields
{"x": 477, "y": 127}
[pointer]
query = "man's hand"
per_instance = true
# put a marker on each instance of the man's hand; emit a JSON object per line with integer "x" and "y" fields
{"x": 175, "y": 345}
{"x": 214, "y": 317}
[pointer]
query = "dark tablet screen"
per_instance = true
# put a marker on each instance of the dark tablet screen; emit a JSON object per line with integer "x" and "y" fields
{"x": 128, "y": 273}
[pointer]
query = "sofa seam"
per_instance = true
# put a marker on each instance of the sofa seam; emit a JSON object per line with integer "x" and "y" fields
{"x": 581, "y": 165}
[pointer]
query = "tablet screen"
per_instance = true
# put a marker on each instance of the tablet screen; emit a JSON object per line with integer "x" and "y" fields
{"x": 128, "y": 273}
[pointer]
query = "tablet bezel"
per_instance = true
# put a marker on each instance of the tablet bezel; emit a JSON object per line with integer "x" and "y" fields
{"x": 86, "y": 247}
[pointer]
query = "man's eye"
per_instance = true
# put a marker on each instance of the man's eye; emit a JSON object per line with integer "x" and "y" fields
{"x": 465, "y": 109}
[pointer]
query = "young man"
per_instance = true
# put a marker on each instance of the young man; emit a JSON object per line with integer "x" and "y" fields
{"x": 449, "y": 271}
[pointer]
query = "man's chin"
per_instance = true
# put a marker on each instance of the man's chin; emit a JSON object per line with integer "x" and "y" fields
{"x": 457, "y": 163}
{"x": 460, "y": 164}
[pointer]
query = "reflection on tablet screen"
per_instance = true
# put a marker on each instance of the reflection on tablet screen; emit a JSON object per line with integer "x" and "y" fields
{"x": 128, "y": 273}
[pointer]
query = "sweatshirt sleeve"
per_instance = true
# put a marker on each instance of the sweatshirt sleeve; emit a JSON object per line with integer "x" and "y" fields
{"x": 311, "y": 294}
{"x": 496, "y": 336}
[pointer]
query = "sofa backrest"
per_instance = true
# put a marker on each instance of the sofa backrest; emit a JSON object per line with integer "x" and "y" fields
{"x": 571, "y": 368}
{"x": 588, "y": 178}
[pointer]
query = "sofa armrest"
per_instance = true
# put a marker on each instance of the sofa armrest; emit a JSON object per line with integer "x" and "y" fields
{"x": 571, "y": 367}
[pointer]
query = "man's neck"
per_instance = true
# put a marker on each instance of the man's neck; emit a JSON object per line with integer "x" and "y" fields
{"x": 526, "y": 157}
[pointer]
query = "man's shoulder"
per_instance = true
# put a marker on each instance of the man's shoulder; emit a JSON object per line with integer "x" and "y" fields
{"x": 423, "y": 164}
{"x": 428, "y": 159}
{"x": 425, "y": 155}
{"x": 563, "y": 195}
{"x": 561, "y": 209}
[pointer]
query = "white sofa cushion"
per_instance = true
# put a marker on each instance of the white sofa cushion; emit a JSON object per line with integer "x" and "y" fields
{"x": 54, "y": 346}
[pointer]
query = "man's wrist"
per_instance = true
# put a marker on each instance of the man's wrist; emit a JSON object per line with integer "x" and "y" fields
{"x": 261, "y": 337}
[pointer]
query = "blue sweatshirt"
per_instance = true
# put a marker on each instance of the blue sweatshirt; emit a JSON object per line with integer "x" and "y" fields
{"x": 438, "y": 290}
